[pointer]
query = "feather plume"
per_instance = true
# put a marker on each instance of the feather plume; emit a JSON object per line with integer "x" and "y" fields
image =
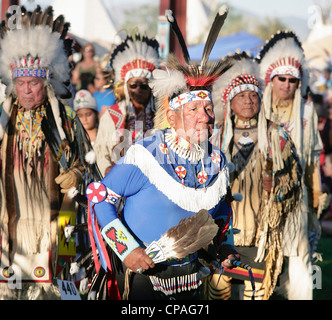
{"x": 132, "y": 49}
{"x": 35, "y": 17}
{"x": 171, "y": 19}
{"x": 47, "y": 18}
{"x": 190, "y": 235}
{"x": 58, "y": 24}
{"x": 213, "y": 34}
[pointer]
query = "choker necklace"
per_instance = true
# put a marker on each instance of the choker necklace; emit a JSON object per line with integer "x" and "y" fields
{"x": 186, "y": 150}
{"x": 245, "y": 124}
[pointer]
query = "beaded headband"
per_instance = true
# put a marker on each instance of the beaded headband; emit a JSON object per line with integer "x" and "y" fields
{"x": 286, "y": 70}
{"x": 242, "y": 83}
{"x": 137, "y": 68}
{"x": 197, "y": 95}
{"x": 29, "y": 67}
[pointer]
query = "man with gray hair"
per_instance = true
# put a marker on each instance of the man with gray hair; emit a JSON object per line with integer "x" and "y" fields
{"x": 39, "y": 150}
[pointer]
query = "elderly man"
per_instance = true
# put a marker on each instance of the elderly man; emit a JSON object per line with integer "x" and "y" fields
{"x": 173, "y": 175}
{"x": 38, "y": 150}
{"x": 266, "y": 174}
{"x": 283, "y": 67}
{"x": 164, "y": 178}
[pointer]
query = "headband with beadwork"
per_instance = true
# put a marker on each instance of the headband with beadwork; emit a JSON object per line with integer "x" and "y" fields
{"x": 196, "y": 95}
{"x": 245, "y": 82}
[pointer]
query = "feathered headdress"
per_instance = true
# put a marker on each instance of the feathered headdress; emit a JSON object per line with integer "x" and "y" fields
{"x": 283, "y": 55}
{"x": 135, "y": 56}
{"x": 181, "y": 83}
{"x": 36, "y": 47}
{"x": 243, "y": 76}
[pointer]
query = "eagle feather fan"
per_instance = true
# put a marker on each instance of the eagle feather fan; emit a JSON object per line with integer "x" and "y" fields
{"x": 190, "y": 235}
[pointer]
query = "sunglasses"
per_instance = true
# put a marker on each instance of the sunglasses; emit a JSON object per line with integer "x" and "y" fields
{"x": 291, "y": 80}
{"x": 142, "y": 86}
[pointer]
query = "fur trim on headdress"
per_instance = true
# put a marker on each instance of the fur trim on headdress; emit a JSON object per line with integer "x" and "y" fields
{"x": 179, "y": 78}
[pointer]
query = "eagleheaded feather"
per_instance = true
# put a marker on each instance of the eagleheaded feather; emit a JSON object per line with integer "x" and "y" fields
{"x": 58, "y": 24}
{"x": 171, "y": 19}
{"x": 213, "y": 34}
{"x": 35, "y": 17}
{"x": 190, "y": 235}
{"x": 47, "y": 18}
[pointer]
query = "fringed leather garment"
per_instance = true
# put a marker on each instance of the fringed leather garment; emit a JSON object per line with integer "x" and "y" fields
{"x": 30, "y": 206}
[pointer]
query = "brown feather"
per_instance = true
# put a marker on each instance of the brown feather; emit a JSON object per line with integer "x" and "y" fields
{"x": 191, "y": 234}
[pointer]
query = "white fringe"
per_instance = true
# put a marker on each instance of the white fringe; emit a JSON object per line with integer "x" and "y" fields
{"x": 72, "y": 193}
{"x": 187, "y": 198}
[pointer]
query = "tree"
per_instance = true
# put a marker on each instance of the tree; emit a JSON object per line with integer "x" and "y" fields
{"x": 143, "y": 18}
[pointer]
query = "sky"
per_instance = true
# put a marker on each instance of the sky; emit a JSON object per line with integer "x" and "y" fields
{"x": 298, "y": 8}
{"x": 277, "y": 8}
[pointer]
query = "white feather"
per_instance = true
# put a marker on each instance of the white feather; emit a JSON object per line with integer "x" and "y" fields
{"x": 72, "y": 192}
{"x": 37, "y": 41}
{"x": 167, "y": 82}
{"x": 90, "y": 157}
{"x": 189, "y": 199}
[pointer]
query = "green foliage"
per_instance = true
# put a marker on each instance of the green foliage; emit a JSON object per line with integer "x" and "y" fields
{"x": 143, "y": 18}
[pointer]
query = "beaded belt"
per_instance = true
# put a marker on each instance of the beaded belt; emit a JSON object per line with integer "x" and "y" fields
{"x": 177, "y": 284}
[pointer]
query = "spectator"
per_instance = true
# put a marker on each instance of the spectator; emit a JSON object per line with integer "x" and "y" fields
{"x": 85, "y": 70}
{"x": 104, "y": 93}
{"x": 86, "y": 108}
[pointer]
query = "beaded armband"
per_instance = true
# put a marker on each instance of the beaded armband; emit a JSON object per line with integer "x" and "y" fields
{"x": 119, "y": 238}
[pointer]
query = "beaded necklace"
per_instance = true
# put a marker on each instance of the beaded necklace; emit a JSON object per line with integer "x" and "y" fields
{"x": 28, "y": 125}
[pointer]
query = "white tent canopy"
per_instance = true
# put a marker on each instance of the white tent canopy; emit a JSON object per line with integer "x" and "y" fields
{"x": 89, "y": 20}
{"x": 198, "y": 19}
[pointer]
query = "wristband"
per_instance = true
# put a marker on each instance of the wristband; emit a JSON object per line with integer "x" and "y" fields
{"x": 119, "y": 238}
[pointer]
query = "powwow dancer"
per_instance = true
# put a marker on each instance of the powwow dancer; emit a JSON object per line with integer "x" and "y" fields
{"x": 40, "y": 144}
{"x": 283, "y": 68}
{"x": 166, "y": 178}
{"x": 267, "y": 174}
{"x": 125, "y": 122}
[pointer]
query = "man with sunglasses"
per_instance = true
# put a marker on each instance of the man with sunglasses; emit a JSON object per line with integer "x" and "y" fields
{"x": 283, "y": 67}
{"x": 132, "y": 116}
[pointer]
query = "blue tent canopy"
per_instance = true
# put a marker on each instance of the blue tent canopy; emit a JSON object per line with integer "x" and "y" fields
{"x": 223, "y": 45}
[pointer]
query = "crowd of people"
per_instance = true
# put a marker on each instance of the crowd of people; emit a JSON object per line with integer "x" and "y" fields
{"x": 151, "y": 180}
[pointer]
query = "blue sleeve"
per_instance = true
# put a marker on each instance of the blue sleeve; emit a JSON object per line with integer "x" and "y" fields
{"x": 124, "y": 180}
{"x": 224, "y": 219}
